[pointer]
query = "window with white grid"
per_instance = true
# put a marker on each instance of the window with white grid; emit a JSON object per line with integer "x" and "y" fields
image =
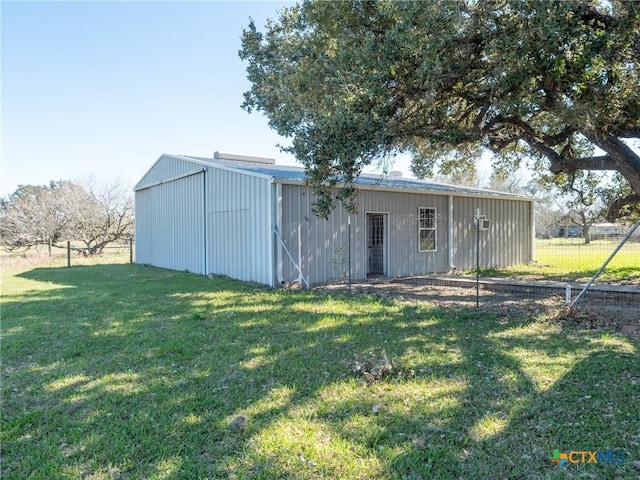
{"x": 427, "y": 227}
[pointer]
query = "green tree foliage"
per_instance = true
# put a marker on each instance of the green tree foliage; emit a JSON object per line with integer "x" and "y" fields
{"x": 351, "y": 83}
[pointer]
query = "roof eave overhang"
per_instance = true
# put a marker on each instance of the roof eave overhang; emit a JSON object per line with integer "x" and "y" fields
{"x": 142, "y": 186}
{"x": 225, "y": 167}
{"x": 424, "y": 191}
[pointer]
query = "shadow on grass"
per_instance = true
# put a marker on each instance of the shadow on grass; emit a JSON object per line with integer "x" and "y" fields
{"x": 125, "y": 371}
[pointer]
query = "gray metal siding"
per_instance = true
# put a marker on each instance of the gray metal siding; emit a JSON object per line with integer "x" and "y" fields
{"x": 508, "y": 240}
{"x": 239, "y": 221}
{"x": 170, "y": 225}
{"x": 318, "y": 246}
{"x": 220, "y": 222}
{"x": 324, "y": 246}
{"x": 403, "y": 255}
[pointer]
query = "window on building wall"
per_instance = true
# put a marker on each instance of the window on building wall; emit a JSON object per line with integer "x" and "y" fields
{"x": 427, "y": 229}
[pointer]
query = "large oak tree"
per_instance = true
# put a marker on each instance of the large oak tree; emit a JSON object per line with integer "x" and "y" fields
{"x": 354, "y": 82}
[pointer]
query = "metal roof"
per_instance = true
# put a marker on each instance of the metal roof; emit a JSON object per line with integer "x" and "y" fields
{"x": 289, "y": 174}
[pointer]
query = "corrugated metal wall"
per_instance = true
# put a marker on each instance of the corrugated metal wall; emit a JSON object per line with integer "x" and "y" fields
{"x": 170, "y": 224}
{"x": 241, "y": 209}
{"x": 166, "y": 167}
{"x": 239, "y": 226}
{"x": 508, "y": 240}
{"x": 402, "y": 255}
{"x": 325, "y": 244}
{"x": 322, "y": 250}
{"x": 170, "y": 221}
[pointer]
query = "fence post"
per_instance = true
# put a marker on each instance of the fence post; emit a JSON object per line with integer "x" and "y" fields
{"x": 68, "y": 253}
{"x": 349, "y": 237}
{"x": 131, "y": 250}
{"x": 478, "y": 258}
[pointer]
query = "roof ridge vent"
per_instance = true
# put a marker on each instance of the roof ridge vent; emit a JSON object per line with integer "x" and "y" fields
{"x": 243, "y": 158}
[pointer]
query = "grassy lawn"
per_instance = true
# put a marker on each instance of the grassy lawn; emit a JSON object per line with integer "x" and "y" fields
{"x": 121, "y": 371}
{"x": 571, "y": 260}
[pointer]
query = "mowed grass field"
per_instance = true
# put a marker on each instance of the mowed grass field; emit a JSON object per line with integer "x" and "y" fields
{"x": 572, "y": 260}
{"x": 129, "y": 372}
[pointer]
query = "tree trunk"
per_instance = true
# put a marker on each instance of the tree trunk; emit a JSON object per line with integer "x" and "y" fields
{"x": 585, "y": 234}
{"x": 624, "y": 157}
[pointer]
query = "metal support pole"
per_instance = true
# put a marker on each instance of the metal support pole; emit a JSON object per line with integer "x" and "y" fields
{"x": 275, "y": 231}
{"x": 68, "y": 253}
{"x": 349, "y": 249}
{"x": 300, "y": 276}
{"x": 131, "y": 250}
{"x": 604, "y": 265}
{"x": 478, "y": 258}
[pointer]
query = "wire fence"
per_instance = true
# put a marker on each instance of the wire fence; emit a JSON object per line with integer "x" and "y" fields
{"x": 115, "y": 250}
{"x": 70, "y": 254}
{"x": 562, "y": 268}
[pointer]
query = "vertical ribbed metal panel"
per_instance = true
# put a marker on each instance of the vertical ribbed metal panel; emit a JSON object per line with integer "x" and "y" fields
{"x": 166, "y": 167}
{"x": 241, "y": 209}
{"x": 143, "y": 226}
{"x": 403, "y": 255}
{"x": 325, "y": 242}
{"x": 170, "y": 224}
{"x": 508, "y": 240}
{"x": 316, "y": 245}
{"x": 239, "y": 226}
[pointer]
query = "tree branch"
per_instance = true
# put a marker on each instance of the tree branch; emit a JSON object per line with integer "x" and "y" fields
{"x": 602, "y": 162}
{"x": 527, "y": 134}
{"x": 558, "y": 138}
{"x": 632, "y": 131}
{"x": 618, "y": 207}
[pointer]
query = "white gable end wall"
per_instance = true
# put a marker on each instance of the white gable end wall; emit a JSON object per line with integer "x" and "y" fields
{"x": 166, "y": 168}
{"x": 194, "y": 216}
{"x": 239, "y": 236}
{"x": 170, "y": 224}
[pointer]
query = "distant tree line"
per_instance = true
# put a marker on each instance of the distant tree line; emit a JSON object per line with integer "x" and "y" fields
{"x": 94, "y": 214}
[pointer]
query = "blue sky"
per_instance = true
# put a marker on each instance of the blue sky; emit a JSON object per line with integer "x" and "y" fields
{"x": 104, "y": 88}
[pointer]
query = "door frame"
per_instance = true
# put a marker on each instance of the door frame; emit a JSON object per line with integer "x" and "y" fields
{"x": 385, "y": 239}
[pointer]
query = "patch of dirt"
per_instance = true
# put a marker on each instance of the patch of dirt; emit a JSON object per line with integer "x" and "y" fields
{"x": 623, "y": 316}
{"x": 374, "y": 368}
